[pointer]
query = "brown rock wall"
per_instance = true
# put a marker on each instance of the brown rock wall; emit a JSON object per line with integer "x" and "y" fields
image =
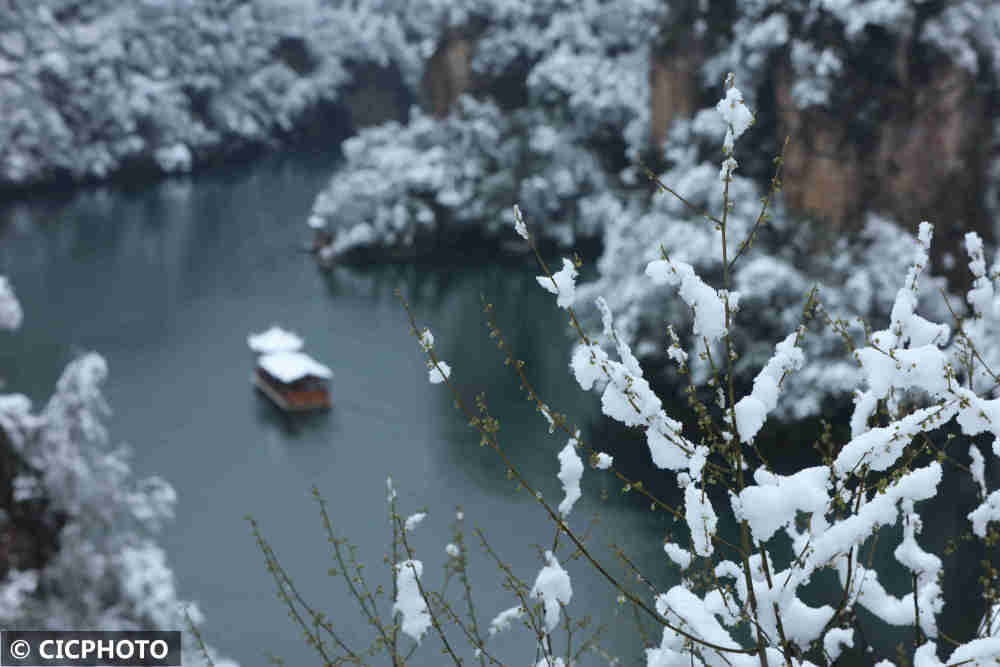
{"x": 925, "y": 159}
{"x": 448, "y": 73}
{"x": 822, "y": 171}
{"x": 673, "y": 87}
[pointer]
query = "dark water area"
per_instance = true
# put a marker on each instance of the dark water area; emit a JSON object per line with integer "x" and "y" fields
{"x": 167, "y": 280}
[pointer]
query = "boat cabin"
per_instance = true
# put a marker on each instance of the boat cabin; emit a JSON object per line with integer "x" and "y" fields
{"x": 293, "y": 381}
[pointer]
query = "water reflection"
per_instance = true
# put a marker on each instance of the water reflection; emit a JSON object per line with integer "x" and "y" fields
{"x": 292, "y": 426}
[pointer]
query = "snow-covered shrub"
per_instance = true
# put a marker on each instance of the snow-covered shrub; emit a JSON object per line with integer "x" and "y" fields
{"x": 405, "y": 181}
{"x": 103, "y": 567}
{"x": 583, "y": 67}
{"x": 923, "y": 399}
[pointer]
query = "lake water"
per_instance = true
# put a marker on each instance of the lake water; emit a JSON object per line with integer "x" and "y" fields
{"x": 167, "y": 280}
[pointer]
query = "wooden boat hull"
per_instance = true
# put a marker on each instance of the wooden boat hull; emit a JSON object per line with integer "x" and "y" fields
{"x": 293, "y": 401}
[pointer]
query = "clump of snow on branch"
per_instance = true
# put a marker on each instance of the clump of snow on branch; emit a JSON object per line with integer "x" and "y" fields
{"x": 684, "y": 608}
{"x": 553, "y": 588}
{"x": 427, "y": 340}
{"x": 981, "y": 295}
{"x": 701, "y": 519}
{"x": 736, "y": 115}
{"x": 978, "y": 469}
{"x": 550, "y": 661}
{"x": 503, "y": 620}
{"x": 414, "y": 520}
{"x": 709, "y": 310}
{"x": 10, "y": 309}
{"x": 519, "y": 226}
{"x": 570, "y": 473}
{"x": 562, "y": 284}
{"x": 835, "y": 641}
{"x": 439, "y": 372}
{"x": 752, "y": 410}
{"x": 409, "y": 602}
{"x": 774, "y": 500}
{"x": 988, "y": 510}
{"x": 627, "y": 397}
{"x": 682, "y": 557}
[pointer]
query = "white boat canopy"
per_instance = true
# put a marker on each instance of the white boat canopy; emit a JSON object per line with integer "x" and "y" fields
{"x": 288, "y": 367}
{"x": 273, "y": 340}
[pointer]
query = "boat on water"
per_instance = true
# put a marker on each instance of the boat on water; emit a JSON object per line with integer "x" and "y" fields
{"x": 291, "y": 379}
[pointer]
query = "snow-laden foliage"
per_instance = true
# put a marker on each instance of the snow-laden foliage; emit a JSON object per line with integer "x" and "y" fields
{"x": 414, "y": 520}
{"x": 404, "y": 182}
{"x": 562, "y": 283}
{"x": 965, "y": 31}
{"x": 583, "y": 67}
{"x": 105, "y": 569}
{"x": 88, "y": 88}
{"x": 570, "y": 472}
{"x": 410, "y": 603}
{"x": 924, "y": 384}
{"x": 437, "y": 371}
{"x": 553, "y": 588}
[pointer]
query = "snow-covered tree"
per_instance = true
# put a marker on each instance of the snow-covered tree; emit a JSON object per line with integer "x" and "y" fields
{"x": 88, "y": 88}
{"x": 80, "y": 529}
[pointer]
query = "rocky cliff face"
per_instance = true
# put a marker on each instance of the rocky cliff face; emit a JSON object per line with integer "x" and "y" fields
{"x": 931, "y": 158}
{"x": 673, "y": 86}
{"x": 822, "y": 168}
{"x": 448, "y": 73}
{"x": 924, "y": 159}
{"x": 914, "y": 147}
